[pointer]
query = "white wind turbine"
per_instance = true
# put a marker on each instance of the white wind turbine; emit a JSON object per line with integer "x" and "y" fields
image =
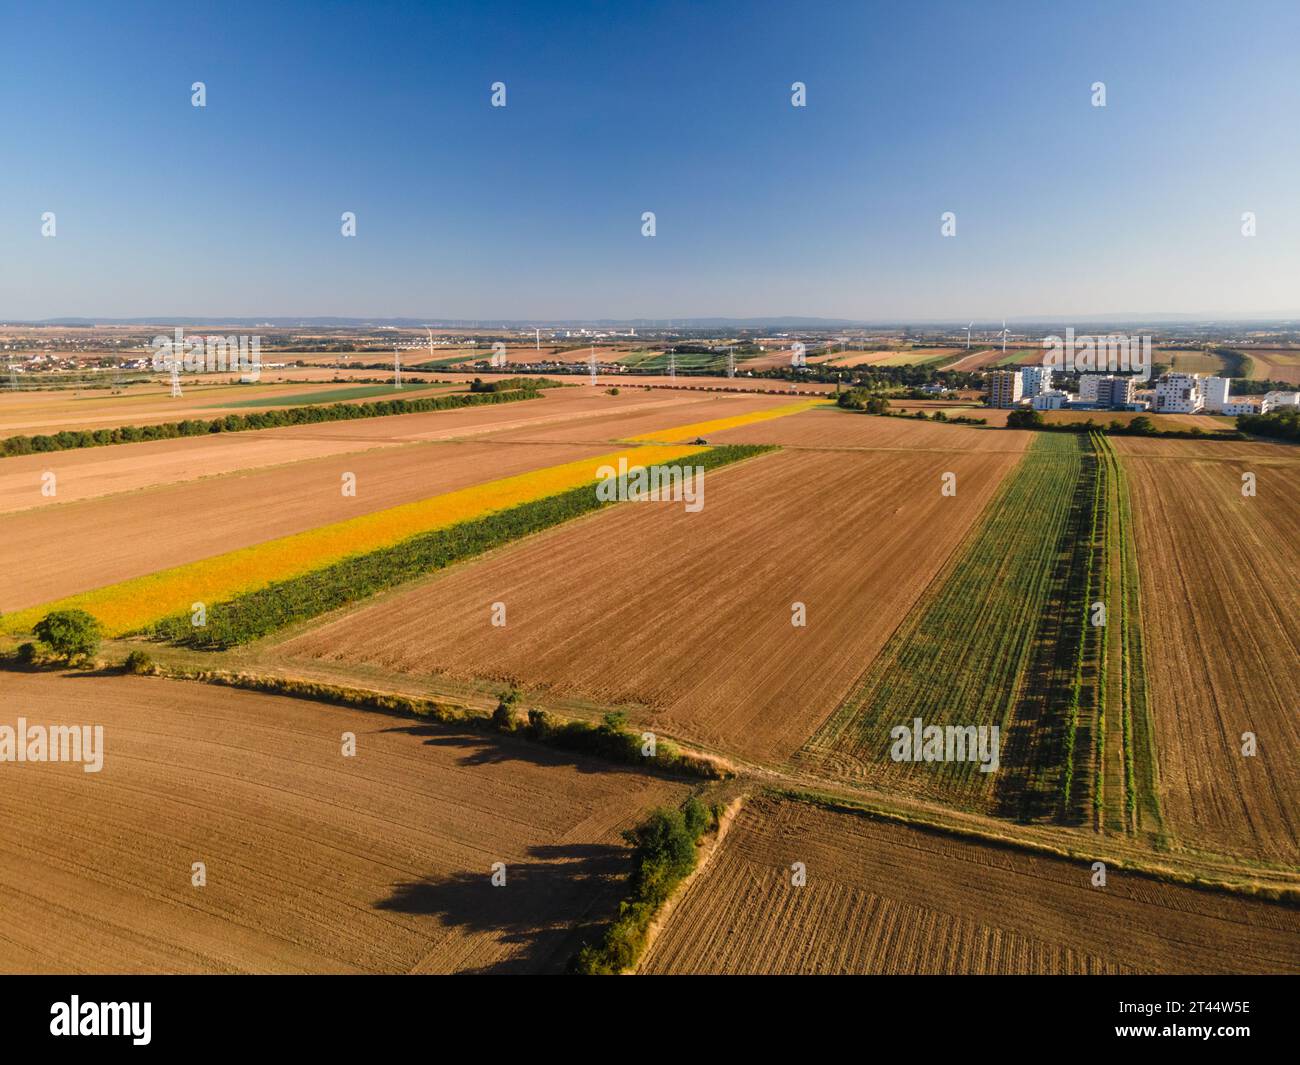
{"x": 968, "y": 329}
{"x": 1004, "y": 336}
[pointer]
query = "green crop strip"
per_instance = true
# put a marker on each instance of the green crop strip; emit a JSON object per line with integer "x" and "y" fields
{"x": 254, "y": 615}
{"x": 962, "y": 656}
{"x": 1092, "y": 467}
{"x": 1140, "y": 771}
{"x": 328, "y": 395}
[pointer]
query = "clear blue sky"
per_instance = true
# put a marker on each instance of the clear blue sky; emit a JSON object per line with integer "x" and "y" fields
{"x": 533, "y": 211}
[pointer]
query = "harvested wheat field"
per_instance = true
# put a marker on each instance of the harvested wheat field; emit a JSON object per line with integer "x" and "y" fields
{"x": 656, "y": 412}
{"x": 65, "y": 548}
{"x": 35, "y": 412}
{"x": 1221, "y": 621}
{"x": 889, "y": 898}
{"x": 314, "y": 862}
{"x": 837, "y": 429}
{"x": 689, "y": 615}
{"x": 86, "y": 473}
{"x": 1274, "y": 364}
{"x": 1183, "y": 361}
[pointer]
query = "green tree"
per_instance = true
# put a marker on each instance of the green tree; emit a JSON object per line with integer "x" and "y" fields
{"x": 1024, "y": 418}
{"x": 503, "y": 717}
{"x": 69, "y": 632}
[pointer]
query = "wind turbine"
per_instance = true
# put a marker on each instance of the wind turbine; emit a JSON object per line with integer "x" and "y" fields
{"x": 1004, "y": 336}
{"x": 968, "y": 329}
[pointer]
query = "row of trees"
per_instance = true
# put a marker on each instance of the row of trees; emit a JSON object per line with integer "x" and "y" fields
{"x": 1283, "y": 424}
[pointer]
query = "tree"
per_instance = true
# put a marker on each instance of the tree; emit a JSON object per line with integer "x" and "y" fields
{"x": 1141, "y": 424}
{"x": 1024, "y": 418}
{"x": 503, "y": 716}
{"x": 665, "y": 852}
{"x": 69, "y": 632}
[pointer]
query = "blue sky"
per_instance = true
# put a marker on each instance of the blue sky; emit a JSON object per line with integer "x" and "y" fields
{"x": 534, "y": 210}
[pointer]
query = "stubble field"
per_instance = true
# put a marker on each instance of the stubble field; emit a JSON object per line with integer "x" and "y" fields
{"x": 1220, "y": 610}
{"x": 315, "y": 862}
{"x": 889, "y": 898}
{"x": 689, "y": 615}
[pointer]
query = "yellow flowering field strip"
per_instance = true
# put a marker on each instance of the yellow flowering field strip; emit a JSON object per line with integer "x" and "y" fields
{"x": 133, "y": 604}
{"x": 717, "y": 425}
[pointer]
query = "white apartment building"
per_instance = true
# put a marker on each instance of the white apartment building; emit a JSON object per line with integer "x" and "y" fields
{"x": 1112, "y": 391}
{"x": 1035, "y": 380}
{"x": 1051, "y": 399}
{"x": 1005, "y": 388}
{"x": 1278, "y": 400}
{"x": 1179, "y": 393}
{"x": 1214, "y": 392}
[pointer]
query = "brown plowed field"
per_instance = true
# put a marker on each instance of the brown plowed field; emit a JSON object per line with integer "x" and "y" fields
{"x": 665, "y": 411}
{"x": 315, "y": 862}
{"x": 65, "y": 548}
{"x": 1221, "y": 624}
{"x": 977, "y": 358}
{"x": 1274, "y": 364}
{"x": 889, "y": 898}
{"x": 86, "y": 473}
{"x": 837, "y": 429}
{"x": 31, "y": 413}
{"x": 689, "y": 615}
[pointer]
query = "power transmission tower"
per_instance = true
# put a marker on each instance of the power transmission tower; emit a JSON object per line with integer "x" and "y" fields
{"x": 176, "y": 378}
{"x": 397, "y": 368}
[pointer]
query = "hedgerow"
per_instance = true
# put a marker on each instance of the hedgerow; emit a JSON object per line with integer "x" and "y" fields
{"x": 664, "y": 855}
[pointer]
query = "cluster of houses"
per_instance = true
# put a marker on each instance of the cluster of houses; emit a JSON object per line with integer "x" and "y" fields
{"x": 1174, "y": 393}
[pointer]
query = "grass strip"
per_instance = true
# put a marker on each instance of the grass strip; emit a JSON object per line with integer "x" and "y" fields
{"x": 1141, "y": 771}
{"x": 1093, "y": 466}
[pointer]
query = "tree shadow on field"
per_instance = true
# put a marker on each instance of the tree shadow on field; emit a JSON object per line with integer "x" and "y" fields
{"x": 489, "y": 749}
{"x": 548, "y": 907}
